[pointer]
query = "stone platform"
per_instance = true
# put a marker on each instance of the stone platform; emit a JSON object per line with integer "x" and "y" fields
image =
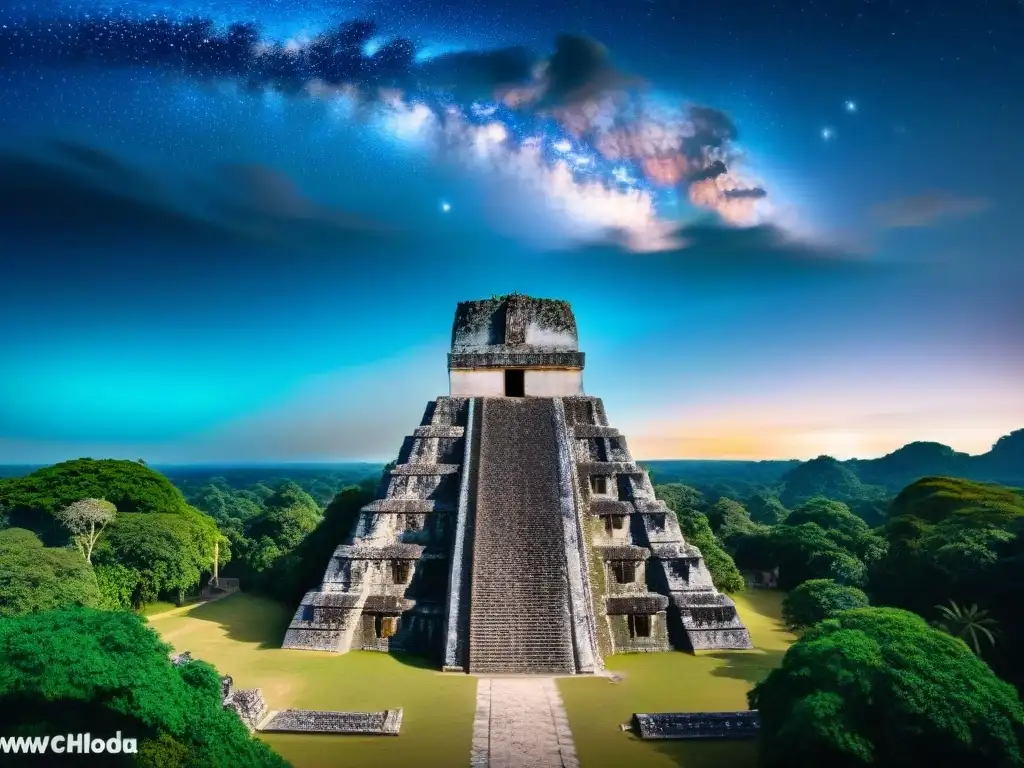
{"x": 697, "y": 725}
{"x": 387, "y": 723}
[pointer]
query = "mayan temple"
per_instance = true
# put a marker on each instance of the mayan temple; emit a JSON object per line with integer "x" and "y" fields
{"x": 515, "y": 533}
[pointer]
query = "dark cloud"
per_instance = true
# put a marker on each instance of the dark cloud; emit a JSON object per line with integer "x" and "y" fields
{"x": 927, "y": 210}
{"x": 580, "y": 69}
{"x": 712, "y": 171}
{"x": 104, "y": 165}
{"x": 195, "y": 48}
{"x": 714, "y": 251}
{"x": 712, "y": 127}
{"x": 477, "y": 74}
{"x": 73, "y": 194}
{"x": 753, "y": 193}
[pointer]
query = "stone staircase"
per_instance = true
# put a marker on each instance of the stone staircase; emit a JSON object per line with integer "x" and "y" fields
{"x": 519, "y": 607}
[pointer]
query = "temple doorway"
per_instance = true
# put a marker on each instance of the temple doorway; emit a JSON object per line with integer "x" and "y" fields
{"x": 515, "y": 383}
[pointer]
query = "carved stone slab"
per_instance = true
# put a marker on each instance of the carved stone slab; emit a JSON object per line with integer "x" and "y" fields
{"x": 387, "y": 723}
{"x": 697, "y": 725}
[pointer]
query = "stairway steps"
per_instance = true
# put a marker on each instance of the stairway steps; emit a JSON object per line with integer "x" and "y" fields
{"x": 519, "y": 607}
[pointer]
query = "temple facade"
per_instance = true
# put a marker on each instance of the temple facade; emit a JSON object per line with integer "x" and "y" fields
{"x": 515, "y": 533}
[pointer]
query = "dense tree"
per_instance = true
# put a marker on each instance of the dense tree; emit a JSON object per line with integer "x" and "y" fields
{"x": 32, "y": 500}
{"x": 268, "y": 540}
{"x": 37, "y": 578}
{"x": 226, "y": 506}
{"x": 764, "y": 507}
{"x": 823, "y": 476}
{"x": 678, "y": 497}
{"x": 823, "y": 539}
{"x": 86, "y": 520}
{"x": 945, "y": 537}
{"x": 117, "y": 585}
{"x": 879, "y": 687}
{"x": 82, "y": 670}
{"x": 819, "y": 599}
{"x": 293, "y": 575}
{"x": 169, "y": 553}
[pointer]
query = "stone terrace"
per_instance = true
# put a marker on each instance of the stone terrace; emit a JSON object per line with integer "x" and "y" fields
{"x": 641, "y": 550}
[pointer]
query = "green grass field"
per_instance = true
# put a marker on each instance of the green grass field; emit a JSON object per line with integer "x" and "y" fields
{"x": 675, "y": 682}
{"x": 240, "y": 635}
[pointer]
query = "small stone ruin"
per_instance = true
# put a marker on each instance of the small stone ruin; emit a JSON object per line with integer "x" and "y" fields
{"x": 697, "y": 725}
{"x": 387, "y": 723}
{"x": 249, "y": 704}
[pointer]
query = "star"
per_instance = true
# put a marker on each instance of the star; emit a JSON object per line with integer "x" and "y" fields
{"x": 827, "y": 134}
{"x": 851, "y": 106}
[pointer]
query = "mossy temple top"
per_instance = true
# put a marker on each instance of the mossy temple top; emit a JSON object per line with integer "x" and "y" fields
{"x": 515, "y": 346}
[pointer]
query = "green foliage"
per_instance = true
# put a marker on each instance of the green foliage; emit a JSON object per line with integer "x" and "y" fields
{"x": 726, "y": 512}
{"x": 823, "y": 539}
{"x": 117, "y": 585}
{"x": 37, "y": 578}
{"x": 765, "y": 508}
{"x": 679, "y": 497}
{"x": 875, "y": 686}
{"x": 823, "y": 476}
{"x": 724, "y": 573}
{"x": 162, "y": 752}
{"x": 819, "y": 599}
{"x": 82, "y": 670}
{"x": 290, "y": 515}
{"x": 128, "y": 485}
{"x": 945, "y": 537}
{"x": 290, "y": 577}
{"x": 168, "y": 552}
{"x": 936, "y": 500}
{"x": 686, "y": 502}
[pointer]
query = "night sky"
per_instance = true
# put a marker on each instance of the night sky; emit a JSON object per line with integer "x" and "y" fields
{"x": 237, "y": 231}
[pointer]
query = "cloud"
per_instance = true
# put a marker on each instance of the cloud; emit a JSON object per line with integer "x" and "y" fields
{"x": 76, "y": 194}
{"x": 927, "y": 210}
{"x": 576, "y": 129}
{"x": 711, "y": 249}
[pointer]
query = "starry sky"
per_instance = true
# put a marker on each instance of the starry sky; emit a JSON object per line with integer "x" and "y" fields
{"x": 236, "y": 231}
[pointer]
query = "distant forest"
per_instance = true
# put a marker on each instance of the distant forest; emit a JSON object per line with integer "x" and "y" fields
{"x": 867, "y": 485}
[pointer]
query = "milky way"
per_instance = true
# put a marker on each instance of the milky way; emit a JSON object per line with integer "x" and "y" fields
{"x": 592, "y": 143}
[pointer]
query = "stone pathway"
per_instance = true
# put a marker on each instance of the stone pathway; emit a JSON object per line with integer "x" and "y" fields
{"x": 520, "y": 722}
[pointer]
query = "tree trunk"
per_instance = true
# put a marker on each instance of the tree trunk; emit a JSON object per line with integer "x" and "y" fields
{"x": 92, "y": 540}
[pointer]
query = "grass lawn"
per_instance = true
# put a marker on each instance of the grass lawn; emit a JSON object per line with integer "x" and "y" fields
{"x": 241, "y": 635}
{"x": 675, "y": 682}
{"x": 160, "y": 606}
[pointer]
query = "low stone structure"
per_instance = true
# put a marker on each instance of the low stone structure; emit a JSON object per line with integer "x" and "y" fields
{"x": 221, "y": 587}
{"x": 387, "y": 723}
{"x": 698, "y": 725}
{"x": 515, "y": 533}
